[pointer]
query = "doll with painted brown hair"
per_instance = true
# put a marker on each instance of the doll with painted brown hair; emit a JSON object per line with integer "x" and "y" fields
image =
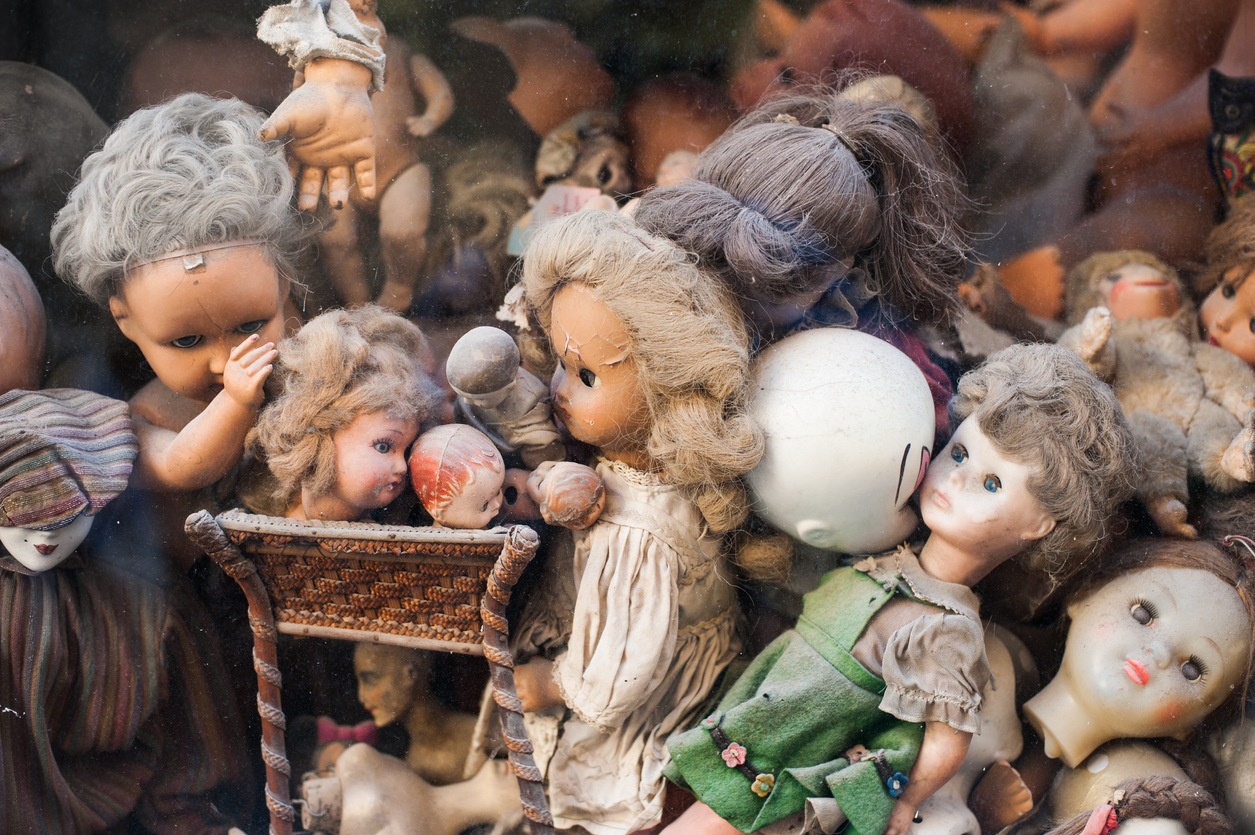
{"x": 353, "y": 398}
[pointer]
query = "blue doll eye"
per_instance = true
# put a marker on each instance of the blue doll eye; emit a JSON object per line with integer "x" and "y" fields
{"x": 186, "y": 341}
{"x": 992, "y": 483}
{"x": 252, "y": 327}
{"x": 383, "y": 447}
{"x": 959, "y": 453}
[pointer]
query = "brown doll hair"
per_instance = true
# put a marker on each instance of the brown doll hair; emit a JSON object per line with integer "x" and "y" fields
{"x": 1230, "y": 246}
{"x": 1158, "y": 796}
{"x": 1083, "y": 294}
{"x": 1041, "y": 406}
{"x": 805, "y": 185}
{"x": 688, "y": 341}
{"x": 342, "y": 364}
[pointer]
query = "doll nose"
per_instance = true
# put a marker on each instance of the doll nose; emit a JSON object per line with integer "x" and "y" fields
{"x": 1161, "y": 654}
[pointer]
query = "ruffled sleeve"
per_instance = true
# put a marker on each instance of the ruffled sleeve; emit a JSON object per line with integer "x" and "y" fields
{"x": 624, "y": 627}
{"x": 935, "y": 671}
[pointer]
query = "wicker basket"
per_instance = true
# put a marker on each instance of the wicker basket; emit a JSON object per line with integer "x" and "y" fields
{"x": 416, "y": 587}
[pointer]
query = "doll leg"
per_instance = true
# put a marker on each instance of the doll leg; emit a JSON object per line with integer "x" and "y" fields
{"x": 1211, "y": 433}
{"x": 341, "y": 249}
{"x": 404, "y": 213}
{"x": 1164, "y": 490}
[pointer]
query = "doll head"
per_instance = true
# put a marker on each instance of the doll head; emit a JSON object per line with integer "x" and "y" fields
{"x": 23, "y": 324}
{"x": 390, "y": 679}
{"x": 64, "y": 455}
{"x": 1147, "y": 805}
{"x": 182, "y": 224}
{"x": 806, "y": 187}
{"x": 1228, "y": 312}
{"x": 676, "y": 112}
{"x": 1041, "y": 407}
{"x": 353, "y": 397}
{"x": 1159, "y": 639}
{"x": 1132, "y": 285}
{"x": 457, "y": 473}
{"x": 651, "y": 352}
{"x": 586, "y": 150}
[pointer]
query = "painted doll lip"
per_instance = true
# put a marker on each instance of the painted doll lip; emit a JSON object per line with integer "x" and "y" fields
{"x": 1136, "y": 670}
{"x": 1211, "y": 340}
{"x": 46, "y": 550}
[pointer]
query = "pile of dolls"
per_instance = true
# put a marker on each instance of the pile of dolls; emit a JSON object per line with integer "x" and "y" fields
{"x": 875, "y": 494}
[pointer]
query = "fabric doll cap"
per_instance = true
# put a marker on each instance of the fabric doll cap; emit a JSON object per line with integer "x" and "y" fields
{"x": 63, "y": 452}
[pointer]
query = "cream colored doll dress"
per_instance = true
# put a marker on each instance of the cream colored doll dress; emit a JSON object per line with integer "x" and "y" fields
{"x": 640, "y": 618}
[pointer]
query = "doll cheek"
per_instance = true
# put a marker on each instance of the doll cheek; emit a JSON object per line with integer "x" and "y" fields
{"x": 1170, "y": 711}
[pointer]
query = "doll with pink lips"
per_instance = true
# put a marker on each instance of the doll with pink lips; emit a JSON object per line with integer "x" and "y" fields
{"x": 1228, "y": 312}
{"x": 353, "y": 398}
{"x": 1160, "y": 638}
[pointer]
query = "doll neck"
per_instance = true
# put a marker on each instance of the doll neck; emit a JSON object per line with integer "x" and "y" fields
{"x": 1069, "y": 731}
{"x": 637, "y": 459}
{"x": 948, "y": 563}
{"x": 324, "y": 508}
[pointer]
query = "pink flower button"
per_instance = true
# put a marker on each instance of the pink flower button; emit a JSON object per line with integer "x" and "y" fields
{"x": 733, "y": 755}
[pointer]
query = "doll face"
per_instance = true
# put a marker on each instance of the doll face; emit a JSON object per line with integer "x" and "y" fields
{"x": 371, "y": 468}
{"x": 385, "y": 682}
{"x": 1228, "y": 314}
{"x": 978, "y": 500}
{"x": 478, "y": 503}
{"x": 1139, "y": 291}
{"x": 597, "y": 391}
{"x": 43, "y": 550}
{"x": 187, "y": 323}
{"x": 1154, "y": 651}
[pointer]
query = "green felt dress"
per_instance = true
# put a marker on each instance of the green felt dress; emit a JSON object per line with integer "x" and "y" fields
{"x": 781, "y": 733}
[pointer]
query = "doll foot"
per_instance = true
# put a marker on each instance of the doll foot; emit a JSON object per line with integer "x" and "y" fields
{"x": 1169, "y": 514}
{"x": 1239, "y": 459}
{"x": 1095, "y": 332}
{"x": 1000, "y": 798}
{"x": 1035, "y": 280}
{"x": 395, "y": 297}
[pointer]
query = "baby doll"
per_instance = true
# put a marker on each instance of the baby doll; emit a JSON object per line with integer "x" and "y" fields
{"x": 117, "y": 712}
{"x": 458, "y": 475}
{"x": 501, "y": 398}
{"x": 353, "y": 399}
{"x": 635, "y": 618}
{"x": 888, "y": 654}
{"x": 759, "y": 211}
{"x": 1150, "y": 799}
{"x": 1186, "y": 401}
{"x": 1228, "y": 312}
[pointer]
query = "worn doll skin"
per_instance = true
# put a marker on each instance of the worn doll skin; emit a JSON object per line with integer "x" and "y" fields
{"x": 458, "y": 475}
{"x": 353, "y": 398}
{"x": 991, "y": 494}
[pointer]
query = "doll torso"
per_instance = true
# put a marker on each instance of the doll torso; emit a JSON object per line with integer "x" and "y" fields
{"x": 1156, "y": 370}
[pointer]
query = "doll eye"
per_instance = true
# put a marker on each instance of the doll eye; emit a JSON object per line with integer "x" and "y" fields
{"x": 992, "y": 483}
{"x": 589, "y": 379}
{"x": 186, "y": 341}
{"x": 959, "y": 453}
{"x": 1143, "y": 612}
{"x": 382, "y": 447}
{"x": 252, "y": 327}
{"x": 604, "y": 174}
{"x": 1193, "y": 669}
{"x": 1228, "y": 291}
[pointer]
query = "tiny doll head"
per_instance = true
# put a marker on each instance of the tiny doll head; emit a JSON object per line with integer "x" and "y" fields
{"x": 652, "y": 355}
{"x": 1137, "y": 802}
{"x": 182, "y": 224}
{"x": 807, "y": 186}
{"x": 353, "y": 397}
{"x": 457, "y": 473}
{"x": 1228, "y": 312}
{"x": 389, "y": 679}
{"x": 1040, "y": 406}
{"x": 1131, "y": 284}
{"x": 586, "y": 150}
{"x": 64, "y": 455}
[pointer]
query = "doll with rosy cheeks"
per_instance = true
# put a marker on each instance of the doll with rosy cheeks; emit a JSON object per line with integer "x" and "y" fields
{"x": 353, "y": 399}
{"x": 873, "y": 698}
{"x": 1228, "y": 312}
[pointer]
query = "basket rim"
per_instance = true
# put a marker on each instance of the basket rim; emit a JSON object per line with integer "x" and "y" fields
{"x": 243, "y": 522}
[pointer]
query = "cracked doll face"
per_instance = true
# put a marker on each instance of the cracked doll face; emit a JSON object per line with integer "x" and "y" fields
{"x": 597, "y": 390}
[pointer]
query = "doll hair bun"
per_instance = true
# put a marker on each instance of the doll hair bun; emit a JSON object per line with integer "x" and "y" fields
{"x": 445, "y": 459}
{"x": 63, "y": 452}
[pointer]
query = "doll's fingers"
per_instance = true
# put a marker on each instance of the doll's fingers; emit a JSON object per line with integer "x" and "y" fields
{"x": 280, "y": 123}
{"x": 255, "y": 367}
{"x": 246, "y": 345}
{"x": 311, "y": 188}
{"x": 338, "y": 185}
{"x": 364, "y": 172}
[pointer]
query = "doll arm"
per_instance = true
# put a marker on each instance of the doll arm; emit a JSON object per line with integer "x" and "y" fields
{"x": 939, "y": 759}
{"x": 437, "y": 92}
{"x": 1078, "y": 26}
{"x": 1227, "y": 379}
{"x": 211, "y": 443}
{"x": 328, "y": 117}
{"x": 568, "y": 494}
{"x": 1091, "y": 341}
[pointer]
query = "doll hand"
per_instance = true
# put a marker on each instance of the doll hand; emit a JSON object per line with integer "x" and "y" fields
{"x": 421, "y": 125}
{"x": 332, "y": 128}
{"x": 248, "y": 366}
{"x": 900, "y": 819}
{"x": 1170, "y": 514}
{"x": 570, "y": 495}
{"x": 535, "y": 685}
{"x": 1095, "y": 332}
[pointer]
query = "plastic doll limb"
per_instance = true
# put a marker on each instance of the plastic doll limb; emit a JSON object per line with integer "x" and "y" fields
{"x": 339, "y": 245}
{"x": 1035, "y": 281}
{"x": 431, "y": 82}
{"x": 1078, "y": 26}
{"x": 536, "y": 685}
{"x": 569, "y": 494}
{"x": 940, "y": 756}
{"x": 404, "y": 213}
{"x": 1170, "y": 514}
{"x": 331, "y": 127}
{"x": 700, "y": 819}
{"x": 1000, "y": 798}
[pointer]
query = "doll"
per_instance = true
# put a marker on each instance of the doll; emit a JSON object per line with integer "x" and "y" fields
{"x": 759, "y": 211}
{"x": 402, "y": 205}
{"x": 1156, "y": 799}
{"x": 1187, "y": 401}
{"x": 635, "y": 618}
{"x": 1228, "y": 312}
{"x": 888, "y": 654}
{"x": 501, "y": 398}
{"x": 458, "y": 475}
{"x": 353, "y": 399}
{"x": 677, "y": 112}
{"x": 1159, "y": 640}
{"x": 587, "y": 150}
{"x": 117, "y": 713}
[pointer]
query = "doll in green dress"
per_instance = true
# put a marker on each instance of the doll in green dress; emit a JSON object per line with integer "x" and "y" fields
{"x": 872, "y": 699}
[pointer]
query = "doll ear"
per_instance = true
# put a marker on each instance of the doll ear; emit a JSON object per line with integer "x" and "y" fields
{"x": 121, "y": 315}
{"x": 1039, "y": 529}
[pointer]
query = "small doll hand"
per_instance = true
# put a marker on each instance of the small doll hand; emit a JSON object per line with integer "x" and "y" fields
{"x": 569, "y": 494}
{"x": 332, "y": 128}
{"x": 1000, "y": 798}
{"x": 421, "y": 125}
{"x": 535, "y": 685}
{"x": 1095, "y": 332}
{"x": 248, "y": 366}
{"x": 900, "y": 819}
